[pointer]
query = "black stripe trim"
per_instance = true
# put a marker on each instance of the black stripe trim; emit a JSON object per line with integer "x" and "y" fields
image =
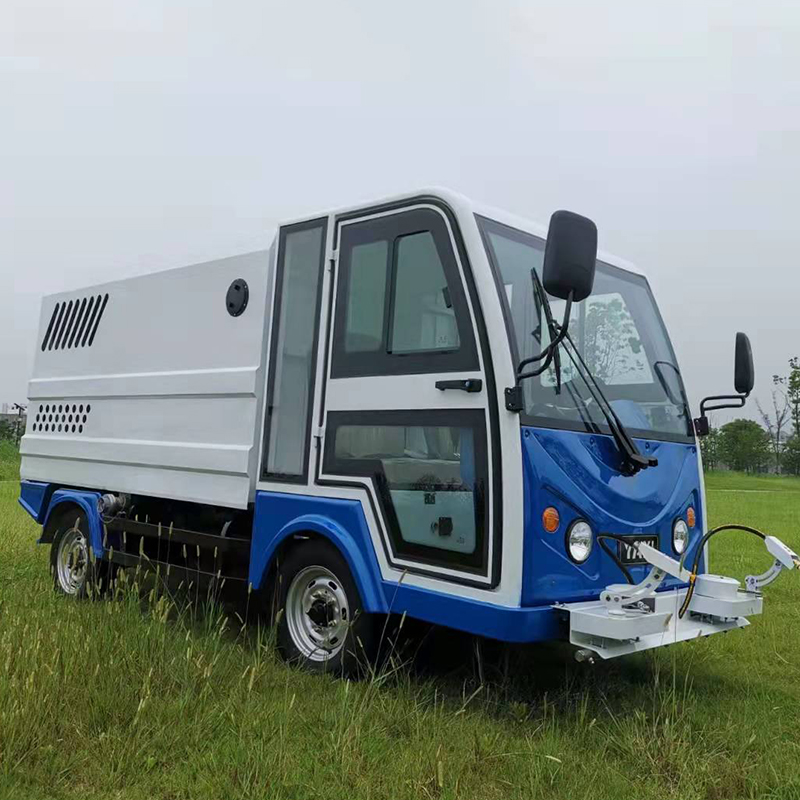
{"x": 62, "y": 327}
{"x": 50, "y": 326}
{"x": 91, "y": 321}
{"x": 97, "y": 322}
{"x": 69, "y": 326}
{"x": 85, "y": 319}
{"x": 77, "y": 322}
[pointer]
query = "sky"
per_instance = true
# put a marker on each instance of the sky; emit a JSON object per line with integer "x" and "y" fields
{"x": 141, "y": 136}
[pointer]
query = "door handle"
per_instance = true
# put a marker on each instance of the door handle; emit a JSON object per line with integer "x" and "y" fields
{"x": 464, "y": 385}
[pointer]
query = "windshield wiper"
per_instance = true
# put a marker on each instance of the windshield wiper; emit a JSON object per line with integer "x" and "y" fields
{"x": 633, "y": 459}
{"x": 557, "y": 333}
{"x": 544, "y": 304}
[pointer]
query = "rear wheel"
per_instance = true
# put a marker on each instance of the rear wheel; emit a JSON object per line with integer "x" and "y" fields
{"x": 75, "y": 570}
{"x": 321, "y": 624}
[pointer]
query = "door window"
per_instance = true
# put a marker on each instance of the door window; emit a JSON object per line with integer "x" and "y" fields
{"x": 366, "y": 297}
{"x": 429, "y": 470}
{"x": 401, "y": 307}
{"x": 422, "y": 320}
{"x": 294, "y": 336}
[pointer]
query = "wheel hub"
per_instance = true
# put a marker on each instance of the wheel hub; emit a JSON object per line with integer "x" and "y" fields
{"x": 317, "y": 613}
{"x": 322, "y": 612}
{"x": 72, "y": 561}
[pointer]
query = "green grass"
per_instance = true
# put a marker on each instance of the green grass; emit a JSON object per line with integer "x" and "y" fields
{"x": 127, "y": 699}
{"x": 9, "y": 461}
{"x": 740, "y": 480}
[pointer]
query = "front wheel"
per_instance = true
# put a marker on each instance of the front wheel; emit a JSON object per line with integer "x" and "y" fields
{"x": 322, "y": 625}
{"x": 75, "y": 570}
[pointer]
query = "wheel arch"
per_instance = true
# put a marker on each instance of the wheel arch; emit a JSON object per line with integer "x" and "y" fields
{"x": 317, "y": 526}
{"x": 60, "y": 504}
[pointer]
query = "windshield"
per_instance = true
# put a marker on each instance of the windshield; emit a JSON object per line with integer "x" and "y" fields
{"x": 618, "y": 331}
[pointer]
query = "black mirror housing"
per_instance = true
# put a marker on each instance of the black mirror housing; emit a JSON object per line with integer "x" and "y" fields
{"x": 744, "y": 376}
{"x": 569, "y": 256}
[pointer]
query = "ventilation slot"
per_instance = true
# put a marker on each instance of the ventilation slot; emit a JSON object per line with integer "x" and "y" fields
{"x": 74, "y": 324}
{"x": 58, "y": 326}
{"x": 63, "y": 418}
{"x": 99, "y": 317}
{"x": 77, "y": 322}
{"x": 50, "y": 326}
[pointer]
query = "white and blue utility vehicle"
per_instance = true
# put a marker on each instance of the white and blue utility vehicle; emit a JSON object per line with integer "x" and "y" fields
{"x": 416, "y": 406}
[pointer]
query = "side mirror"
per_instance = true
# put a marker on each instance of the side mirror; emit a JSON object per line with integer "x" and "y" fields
{"x": 569, "y": 256}
{"x": 744, "y": 376}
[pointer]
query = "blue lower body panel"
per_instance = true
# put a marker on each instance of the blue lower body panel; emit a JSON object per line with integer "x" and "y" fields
{"x": 279, "y": 515}
{"x": 474, "y": 616}
{"x": 34, "y": 497}
{"x": 40, "y": 500}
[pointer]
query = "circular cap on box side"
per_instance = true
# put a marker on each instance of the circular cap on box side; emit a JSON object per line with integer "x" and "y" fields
{"x": 237, "y": 297}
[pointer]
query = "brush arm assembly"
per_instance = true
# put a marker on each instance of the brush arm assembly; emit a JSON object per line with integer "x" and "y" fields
{"x": 623, "y": 595}
{"x": 632, "y": 617}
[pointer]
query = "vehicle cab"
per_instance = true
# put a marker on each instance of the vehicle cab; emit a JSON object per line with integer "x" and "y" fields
{"x": 426, "y": 307}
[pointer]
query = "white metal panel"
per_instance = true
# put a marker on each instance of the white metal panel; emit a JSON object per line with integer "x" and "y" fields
{"x": 173, "y": 386}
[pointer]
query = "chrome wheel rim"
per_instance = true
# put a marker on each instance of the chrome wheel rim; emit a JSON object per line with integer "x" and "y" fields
{"x": 72, "y": 561}
{"x": 317, "y": 613}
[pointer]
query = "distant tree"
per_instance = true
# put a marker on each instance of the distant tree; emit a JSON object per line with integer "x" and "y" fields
{"x": 791, "y": 456}
{"x": 7, "y": 431}
{"x": 777, "y": 422}
{"x": 744, "y": 445}
{"x": 709, "y": 447}
{"x": 791, "y": 386}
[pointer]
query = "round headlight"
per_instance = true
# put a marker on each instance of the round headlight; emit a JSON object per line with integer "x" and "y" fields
{"x": 579, "y": 541}
{"x": 680, "y": 536}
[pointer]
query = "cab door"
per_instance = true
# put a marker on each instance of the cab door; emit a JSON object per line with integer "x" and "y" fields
{"x": 409, "y": 408}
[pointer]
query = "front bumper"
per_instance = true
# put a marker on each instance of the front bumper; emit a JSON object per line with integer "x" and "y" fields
{"x": 611, "y": 632}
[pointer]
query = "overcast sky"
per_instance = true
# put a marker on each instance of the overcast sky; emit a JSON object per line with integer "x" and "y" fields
{"x": 136, "y": 136}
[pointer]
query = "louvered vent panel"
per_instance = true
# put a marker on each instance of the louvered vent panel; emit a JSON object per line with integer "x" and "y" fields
{"x": 74, "y": 323}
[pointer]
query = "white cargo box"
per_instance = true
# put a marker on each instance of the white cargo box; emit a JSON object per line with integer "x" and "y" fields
{"x": 150, "y": 386}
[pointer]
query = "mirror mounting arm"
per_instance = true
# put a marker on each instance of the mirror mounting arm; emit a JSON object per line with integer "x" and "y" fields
{"x": 701, "y": 424}
{"x": 513, "y": 394}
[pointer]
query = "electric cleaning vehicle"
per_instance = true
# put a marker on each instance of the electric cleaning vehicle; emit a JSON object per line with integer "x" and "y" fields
{"x": 416, "y": 406}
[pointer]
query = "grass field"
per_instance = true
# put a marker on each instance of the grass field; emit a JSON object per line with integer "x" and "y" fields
{"x": 133, "y": 699}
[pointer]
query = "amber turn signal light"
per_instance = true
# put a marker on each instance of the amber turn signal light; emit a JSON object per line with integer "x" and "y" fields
{"x": 690, "y": 518}
{"x": 550, "y": 519}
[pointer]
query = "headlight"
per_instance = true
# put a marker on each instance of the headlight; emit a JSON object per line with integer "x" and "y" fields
{"x": 680, "y": 536}
{"x": 579, "y": 541}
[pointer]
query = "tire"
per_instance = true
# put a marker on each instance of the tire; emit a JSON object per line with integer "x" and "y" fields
{"x": 76, "y": 573}
{"x": 321, "y": 624}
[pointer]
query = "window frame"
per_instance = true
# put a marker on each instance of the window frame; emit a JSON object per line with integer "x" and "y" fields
{"x": 277, "y": 307}
{"x": 392, "y": 228}
{"x": 469, "y": 563}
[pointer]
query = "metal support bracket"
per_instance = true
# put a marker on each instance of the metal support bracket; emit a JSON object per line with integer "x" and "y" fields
{"x": 785, "y": 558}
{"x": 623, "y": 595}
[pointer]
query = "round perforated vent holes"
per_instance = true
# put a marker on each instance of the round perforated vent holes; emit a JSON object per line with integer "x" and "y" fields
{"x": 237, "y": 297}
{"x": 61, "y": 418}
